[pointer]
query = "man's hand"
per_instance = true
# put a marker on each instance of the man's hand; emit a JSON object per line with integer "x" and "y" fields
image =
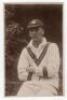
{"x": 45, "y": 73}
{"x": 31, "y": 69}
{"x": 39, "y": 72}
{"x": 35, "y": 70}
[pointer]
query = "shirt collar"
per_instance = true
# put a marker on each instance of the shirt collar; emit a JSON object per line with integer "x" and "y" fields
{"x": 41, "y": 44}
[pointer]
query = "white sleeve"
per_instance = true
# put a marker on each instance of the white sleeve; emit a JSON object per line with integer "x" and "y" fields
{"x": 22, "y": 65}
{"x": 53, "y": 63}
{"x": 53, "y": 60}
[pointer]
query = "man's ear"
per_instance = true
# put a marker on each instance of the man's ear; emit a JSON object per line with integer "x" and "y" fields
{"x": 30, "y": 35}
{"x": 43, "y": 31}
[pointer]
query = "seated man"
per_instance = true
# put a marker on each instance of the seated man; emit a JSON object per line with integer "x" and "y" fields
{"x": 39, "y": 62}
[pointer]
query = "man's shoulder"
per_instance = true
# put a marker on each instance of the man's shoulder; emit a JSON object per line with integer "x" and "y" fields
{"x": 53, "y": 46}
{"x": 24, "y": 50}
{"x": 52, "y": 43}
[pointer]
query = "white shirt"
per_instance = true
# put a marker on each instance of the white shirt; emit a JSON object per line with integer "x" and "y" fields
{"x": 51, "y": 61}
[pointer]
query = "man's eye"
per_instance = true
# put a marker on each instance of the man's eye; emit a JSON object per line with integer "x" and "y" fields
{"x": 34, "y": 29}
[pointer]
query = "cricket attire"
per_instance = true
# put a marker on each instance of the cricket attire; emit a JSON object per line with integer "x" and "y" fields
{"x": 47, "y": 57}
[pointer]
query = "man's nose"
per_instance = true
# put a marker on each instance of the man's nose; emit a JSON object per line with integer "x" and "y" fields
{"x": 34, "y": 31}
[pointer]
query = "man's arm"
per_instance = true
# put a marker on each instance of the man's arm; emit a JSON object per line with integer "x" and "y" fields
{"x": 22, "y": 66}
{"x": 53, "y": 64}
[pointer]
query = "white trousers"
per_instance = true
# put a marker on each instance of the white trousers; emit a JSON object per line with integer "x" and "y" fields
{"x": 36, "y": 88}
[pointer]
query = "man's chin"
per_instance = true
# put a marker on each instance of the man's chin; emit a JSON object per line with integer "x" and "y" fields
{"x": 36, "y": 39}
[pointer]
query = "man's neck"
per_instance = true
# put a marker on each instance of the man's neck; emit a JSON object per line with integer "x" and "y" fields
{"x": 36, "y": 43}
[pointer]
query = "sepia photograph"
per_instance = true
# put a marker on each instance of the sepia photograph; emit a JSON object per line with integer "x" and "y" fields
{"x": 33, "y": 49}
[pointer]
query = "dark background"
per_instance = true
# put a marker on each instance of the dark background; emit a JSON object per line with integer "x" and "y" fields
{"x": 17, "y": 17}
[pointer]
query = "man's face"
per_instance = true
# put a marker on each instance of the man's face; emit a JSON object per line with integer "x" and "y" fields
{"x": 36, "y": 33}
